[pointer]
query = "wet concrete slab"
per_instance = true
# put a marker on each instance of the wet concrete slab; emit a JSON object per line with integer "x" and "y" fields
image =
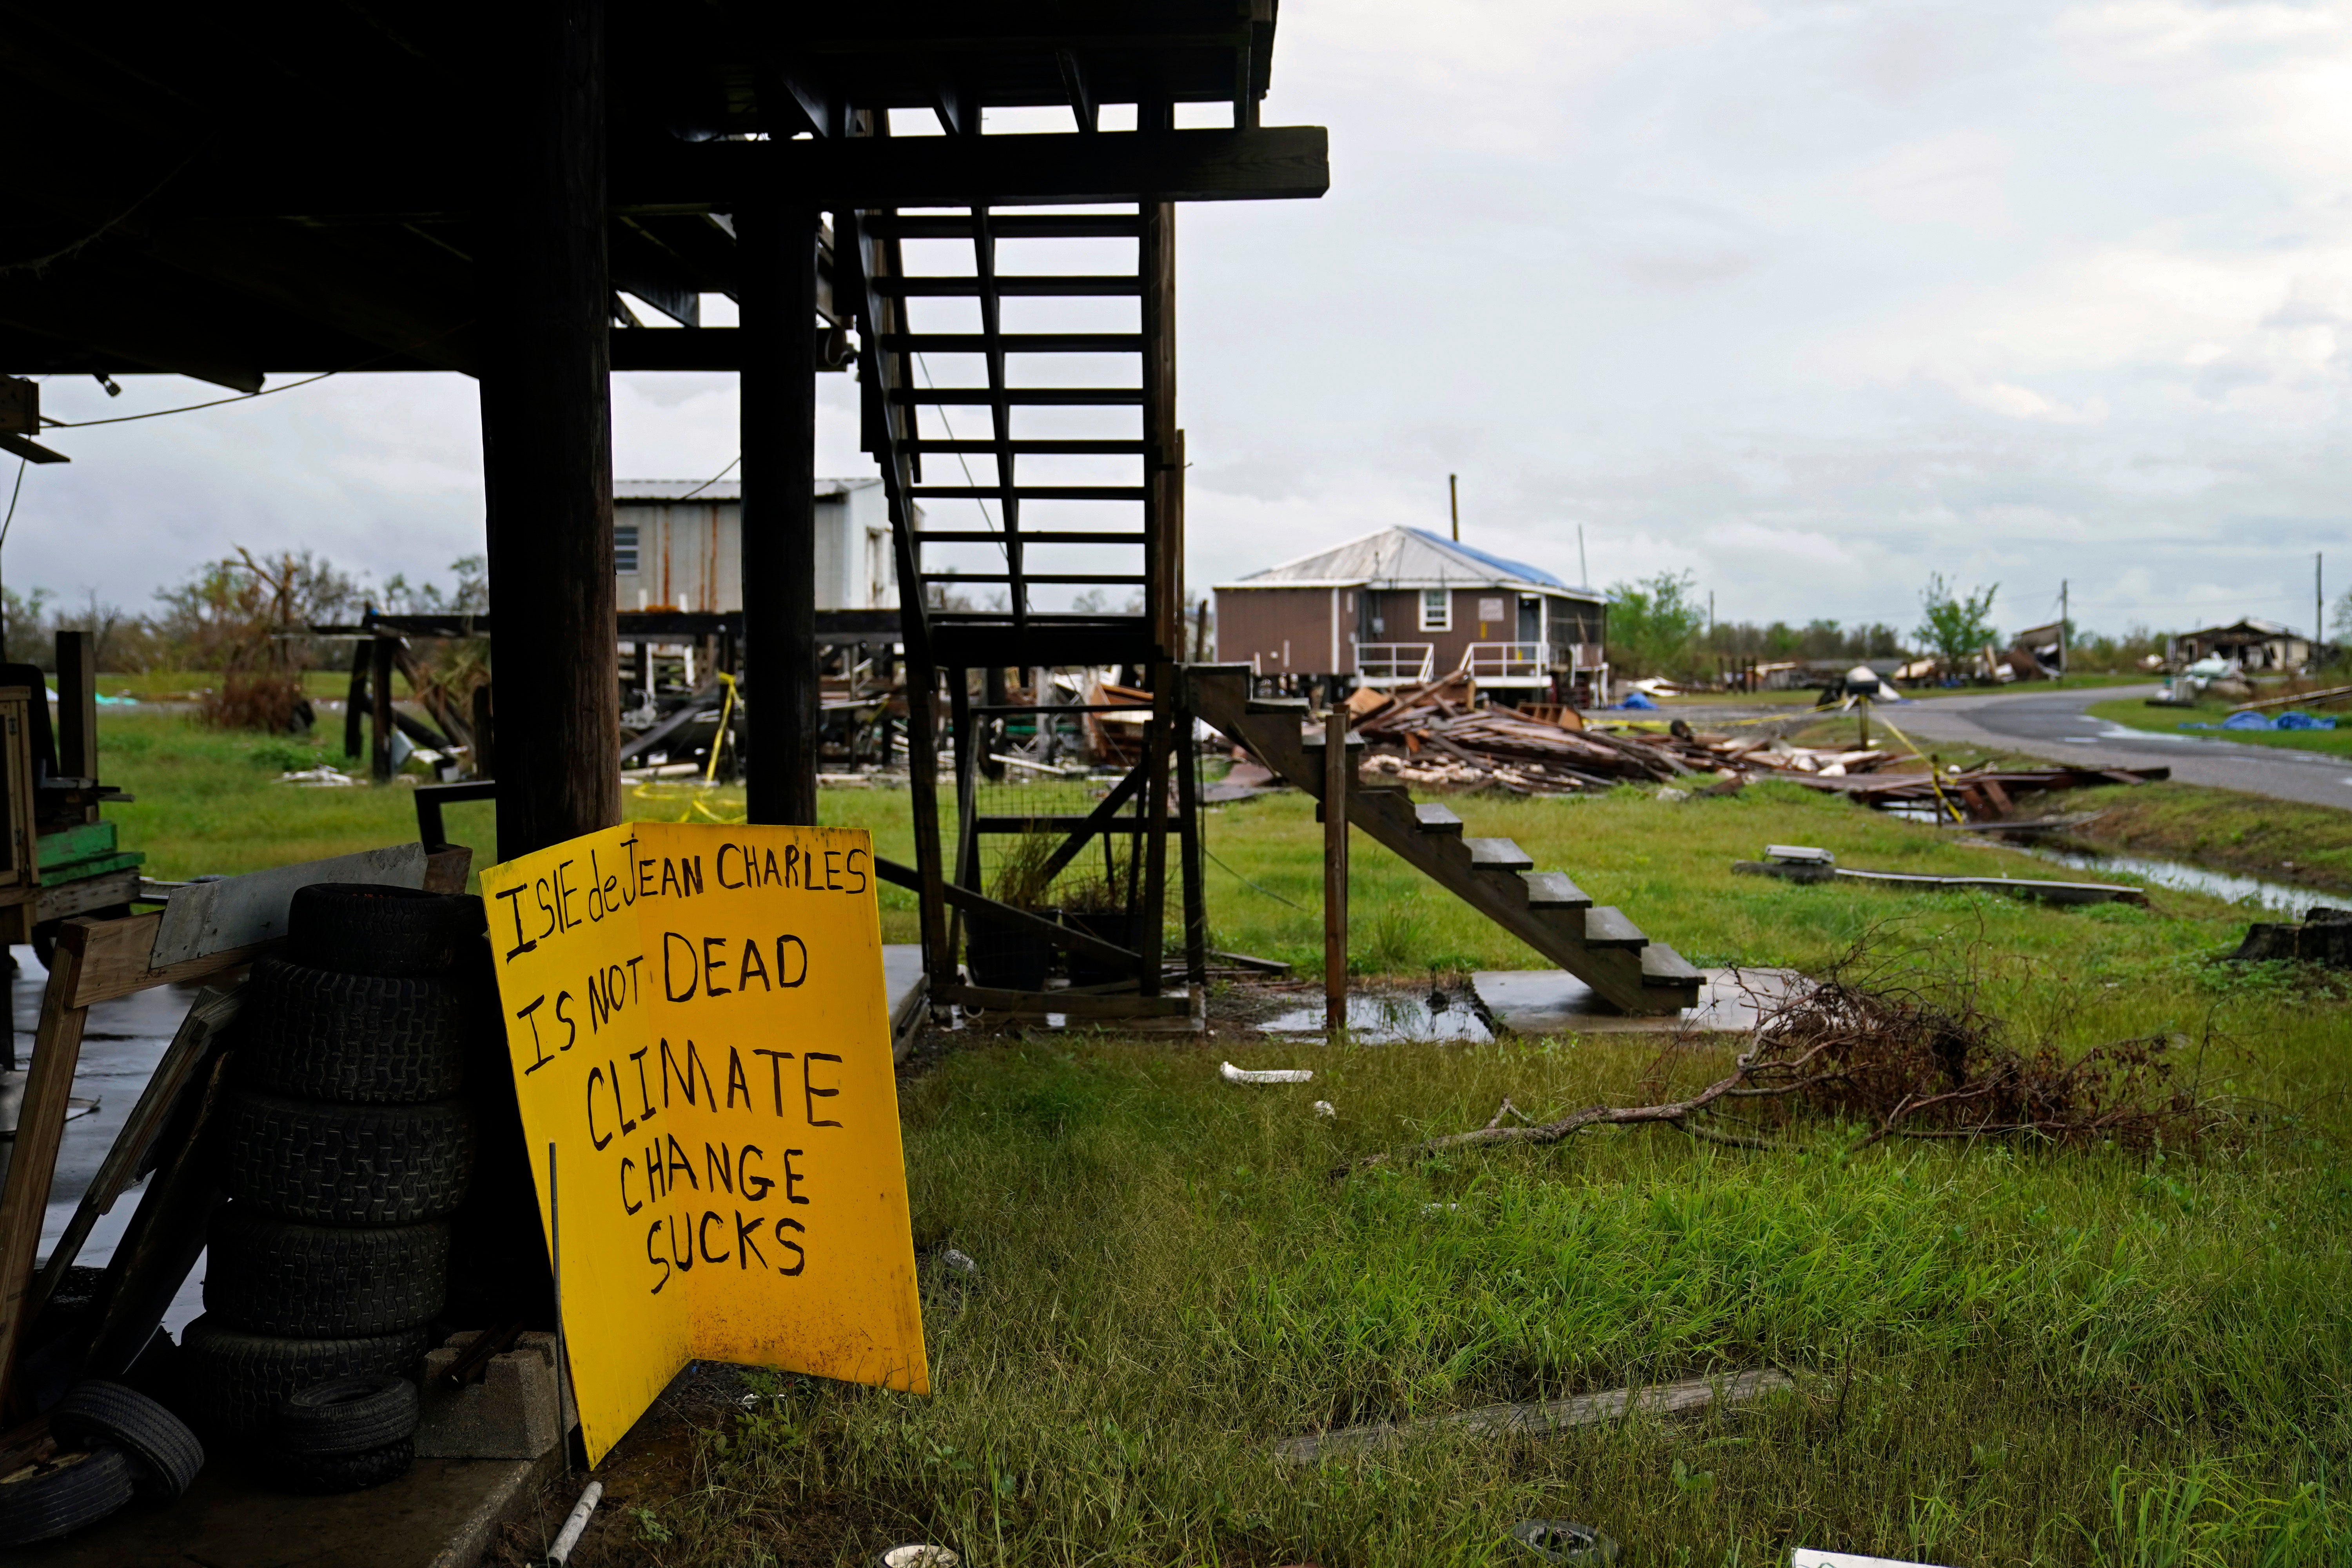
{"x": 120, "y": 1045}
{"x": 442, "y": 1514}
{"x": 1533, "y": 1002}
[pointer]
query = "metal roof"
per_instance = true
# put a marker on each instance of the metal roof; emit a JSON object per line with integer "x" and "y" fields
{"x": 1406, "y": 557}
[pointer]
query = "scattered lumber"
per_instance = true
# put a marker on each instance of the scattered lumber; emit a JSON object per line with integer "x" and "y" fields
{"x": 1436, "y": 735}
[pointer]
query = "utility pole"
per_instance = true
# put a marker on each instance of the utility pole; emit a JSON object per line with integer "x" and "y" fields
{"x": 1454, "y": 497}
{"x": 2062, "y": 612}
{"x": 2318, "y": 608}
{"x": 1583, "y": 572}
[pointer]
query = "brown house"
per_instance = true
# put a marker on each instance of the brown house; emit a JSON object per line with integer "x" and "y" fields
{"x": 1405, "y": 604}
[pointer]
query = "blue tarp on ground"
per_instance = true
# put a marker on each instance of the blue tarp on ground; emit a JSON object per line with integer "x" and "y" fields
{"x": 2292, "y": 718}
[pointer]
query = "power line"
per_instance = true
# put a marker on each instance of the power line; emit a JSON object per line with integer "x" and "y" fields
{"x": 192, "y": 408}
{"x": 713, "y": 479}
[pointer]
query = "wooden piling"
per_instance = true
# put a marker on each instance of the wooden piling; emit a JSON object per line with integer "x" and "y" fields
{"x": 777, "y": 242}
{"x": 543, "y": 327}
{"x": 1335, "y": 869}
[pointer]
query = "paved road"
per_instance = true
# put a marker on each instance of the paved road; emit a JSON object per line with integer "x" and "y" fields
{"x": 2052, "y": 724}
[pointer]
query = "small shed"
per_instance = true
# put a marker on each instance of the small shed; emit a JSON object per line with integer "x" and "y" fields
{"x": 678, "y": 543}
{"x": 2252, "y": 645}
{"x": 1405, "y": 604}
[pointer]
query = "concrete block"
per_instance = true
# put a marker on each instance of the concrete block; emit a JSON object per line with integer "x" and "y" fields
{"x": 517, "y": 1411}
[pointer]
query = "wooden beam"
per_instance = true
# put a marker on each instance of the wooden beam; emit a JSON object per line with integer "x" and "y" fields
{"x": 547, "y": 440}
{"x": 1275, "y": 163}
{"x": 778, "y": 410}
{"x": 40, "y": 1124}
{"x": 1070, "y": 939}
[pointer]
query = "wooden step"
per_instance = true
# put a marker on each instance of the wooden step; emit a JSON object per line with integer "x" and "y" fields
{"x": 1021, "y": 396}
{"x": 1004, "y": 226}
{"x": 1432, "y": 817}
{"x": 1497, "y": 855}
{"x": 1026, "y": 536}
{"x": 1662, "y": 965}
{"x": 1039, "y": 447}
{"x": 1026, "y": 287}
{"x": 1013, "y": 342}
{"x": 1035, "y": 492}
{"x": 1605, "y": 926}
{"x": 1553, "y": 891}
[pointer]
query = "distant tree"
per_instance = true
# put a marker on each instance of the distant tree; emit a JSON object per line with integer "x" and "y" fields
{"x": 1955, "y": 625}
{"x": 1653, "y": 624}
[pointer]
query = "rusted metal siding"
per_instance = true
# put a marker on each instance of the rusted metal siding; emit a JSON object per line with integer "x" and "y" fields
{"x": 1284, "y": 631}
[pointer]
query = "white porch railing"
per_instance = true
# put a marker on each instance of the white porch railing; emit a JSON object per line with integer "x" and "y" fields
{"x": 1394, "y": 663}
{"x": 1496, "y": 663}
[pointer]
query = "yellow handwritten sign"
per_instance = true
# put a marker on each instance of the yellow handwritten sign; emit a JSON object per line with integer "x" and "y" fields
{"x": 696, "y": 1020}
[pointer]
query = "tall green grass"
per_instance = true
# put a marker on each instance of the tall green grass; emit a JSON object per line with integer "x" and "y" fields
{"x": 2004, "y": 1355}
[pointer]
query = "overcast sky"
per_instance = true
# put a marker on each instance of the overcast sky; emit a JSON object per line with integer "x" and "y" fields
{"x": 1807, "y": 299}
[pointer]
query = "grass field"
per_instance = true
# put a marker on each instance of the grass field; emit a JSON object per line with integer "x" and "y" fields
{"x": 2138, "y": 715}
{"x": 2005, "y": 1354}
{"x": 1810, "y": 694}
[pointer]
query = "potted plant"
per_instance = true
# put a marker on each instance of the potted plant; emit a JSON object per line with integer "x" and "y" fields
{"x": 1101, "y": 907}
{"x": 1004, "y": 956}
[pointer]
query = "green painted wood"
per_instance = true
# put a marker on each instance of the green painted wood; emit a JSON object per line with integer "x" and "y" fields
{"x": 79, "y": 842}
{"x": 83, "y": 870}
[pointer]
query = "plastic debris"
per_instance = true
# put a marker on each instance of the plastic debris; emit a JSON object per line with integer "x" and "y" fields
{"x": 560, "y": 1552}
{"x": 961, "y": 1262}
{"x": 1325, "y": 1108}
{"x": 321, "y": 777}
{"x": 919, "y": 1556}
{"x": 1563, "y": 1540}
{"x": 1233, "y": 1074}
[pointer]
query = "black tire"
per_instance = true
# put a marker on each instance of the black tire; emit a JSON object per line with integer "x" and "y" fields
{"x": 269, "y": 1276}
{"x": 347, "y": 1416}
{"x": 322, "y": 1473}
{"x": 357, "y": 1039}
{"x": 235, "y": 1381}
{"x": 165, "y": 1455}
{"x": 48, "y": 1500}
{"x": 362, "y": 929}
{"x": 349, "y": 1165}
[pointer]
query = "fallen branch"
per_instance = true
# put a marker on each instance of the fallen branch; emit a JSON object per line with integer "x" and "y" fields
{"x": 1911, "y": 1058}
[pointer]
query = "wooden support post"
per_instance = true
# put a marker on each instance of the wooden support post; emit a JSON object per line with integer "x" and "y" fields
{"x": 1863, "y": 703}
{"x": 380, "y": 702}
{"x": 1335, "y": 869}
{"x": 353, "y": 703}
{"x": 40, "y": 1124}
{"x": 486, "y": 762}
{"x": 923, "y": 797}
{"x": 992, "y": 694}
{"x": 777, "y": 243}
{"x": 966, "y": 782}
{"x": 547, "y": 440}
{"x": 1187, "y": 826}
{"x": 78, "y": 706}
{"x": 1156, "y": 750}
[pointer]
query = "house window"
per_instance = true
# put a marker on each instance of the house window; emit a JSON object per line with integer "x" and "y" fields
{"x": 625, "y": 549}
{"x": 1436, "y": 610}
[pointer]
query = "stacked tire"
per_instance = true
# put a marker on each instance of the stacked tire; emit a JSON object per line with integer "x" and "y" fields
{"x": 348, "y": 1149}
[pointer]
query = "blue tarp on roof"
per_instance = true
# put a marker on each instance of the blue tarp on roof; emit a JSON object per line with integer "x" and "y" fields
{"x": 1518, "y": 570}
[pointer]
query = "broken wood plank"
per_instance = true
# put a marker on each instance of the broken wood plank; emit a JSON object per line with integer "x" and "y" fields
{"x": 211, "y": 1013}
{"x": 244, "y": 911}
{"x": 24, "y": 1202}
{"x": 1541, "y": 1418}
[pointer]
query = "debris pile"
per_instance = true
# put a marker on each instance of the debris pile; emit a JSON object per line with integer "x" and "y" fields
{"x": 1436, "y": 735}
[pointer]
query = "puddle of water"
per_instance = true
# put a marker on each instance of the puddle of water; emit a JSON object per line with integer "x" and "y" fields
{"x": 1393, "y": 1020}
{"x": 2277, "y": 897}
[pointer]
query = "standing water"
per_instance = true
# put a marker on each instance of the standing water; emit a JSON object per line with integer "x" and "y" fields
{"x": 2276, "y": 897}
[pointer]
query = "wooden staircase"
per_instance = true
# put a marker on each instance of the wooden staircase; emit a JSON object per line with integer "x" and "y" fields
{"x": 1597, "y": 945}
